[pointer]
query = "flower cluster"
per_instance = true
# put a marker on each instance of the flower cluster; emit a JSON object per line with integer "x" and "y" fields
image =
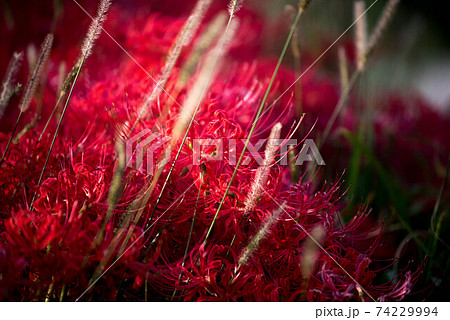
{"x": 96, "y": 227}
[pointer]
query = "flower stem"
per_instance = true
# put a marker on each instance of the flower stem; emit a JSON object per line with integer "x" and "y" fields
{"x": 261, "y": 107}
{"x": 189, "y": 237}
{"x": 57, "y": 130}
{"x": 216, "y": 58}
{"x": 51, "y": 116}
{"x": 10, "y": 138}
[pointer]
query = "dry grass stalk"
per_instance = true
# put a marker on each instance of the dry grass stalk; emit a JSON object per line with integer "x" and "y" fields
{"x": 374, "y": 40}
{"x": 262, "y": 173}
{"x": 303, "y": 4}
{"x": 202, "y": 83}
{"x": 193, "y": 101}
{"x": 201, "y": 47}
{"x": 142, "y": 200}
{"x": 360, "y": 32}
{"x": 248, "y": 251}
{"x": 343, "y": 68}
{"x": 212, "y": 32}
{"x": 115, "y": 192}
{"x": 94, "y": 31}
{"x": 31, "y": 85}
{"x": 194, "y": 21}
{"x": 291, "y": 11}
{"x": 8, "y": 87}
{"x": 381, "y": 27}
{"x": 34, "y": 76}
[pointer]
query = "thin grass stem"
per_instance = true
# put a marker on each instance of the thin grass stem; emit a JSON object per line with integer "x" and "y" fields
{"x": 7, "y": 86}
{"x": 262, "y": 233}
{"x": 190, "y": 235}
{"x": 50, "y": 117}
{"x": 86, "y": 49}
{"x": 266, "y": 95}
{"x": 339, "y": 106}
{"x": 56, "y": 134}
{"x": 11, "y": 138}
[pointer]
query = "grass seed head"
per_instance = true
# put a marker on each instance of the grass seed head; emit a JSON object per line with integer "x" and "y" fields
{"x": 7, "y": 89}
{"x": 95, "y": 28}
{"x": 234, "y": 6}
{"x": 34, "y": 76}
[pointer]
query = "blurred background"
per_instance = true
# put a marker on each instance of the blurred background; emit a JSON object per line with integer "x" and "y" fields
{"x": 417, "y": 46}
{"x": 415, "y": 51}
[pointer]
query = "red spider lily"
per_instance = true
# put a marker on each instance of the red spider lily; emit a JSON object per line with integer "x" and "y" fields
{"x": 63, "y": 243}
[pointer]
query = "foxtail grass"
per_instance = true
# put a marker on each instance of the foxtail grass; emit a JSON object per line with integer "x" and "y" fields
{"x": 302, "y": 7}
{"x": 373, "y": 42}
{"x": 95, "y": 29}
{"x": 262, "y": 233}
{"x": 64, "y": 87}
{"x": 192, "y": 105}
{"x": 86, "y": 49}
{"x": 92, "y": 35}
{"x": 262, "y": 173}
{"x": 8, "y": 86}
{"x": 31, "y": 86}
{"x": 185, "y": 36}
{"x": 200, "y": 48}
{"x": 201, "y": 85}
{"x": 296, "y": 53}
{"x": 234, "y": 6}
{"x": 34, "y": 77}
{"x": 193, "y": 102}
{"x": 382, "y": 25}
{"x": 115, "y": 190}
{"x": 343, "y": 68}
{"x": 360, "y": 33}
{"x": 189, "y": 237}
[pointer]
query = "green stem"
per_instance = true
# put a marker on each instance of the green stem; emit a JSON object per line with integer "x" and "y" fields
{"x": 10, "y": 138}
{"x": 340, "y": 105}
{"x": 190, "y": 235}
{"x": 51, "y": 116}
{"x": 392, "y": 189}
{"x": 57, "y": 130}
{"x": 163, "y": 227}
{"x": 63, "y": 293}
{"x": 261, "y": 107}
{"x": 439, "y": 222}
{"x": 190, "y": 124}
